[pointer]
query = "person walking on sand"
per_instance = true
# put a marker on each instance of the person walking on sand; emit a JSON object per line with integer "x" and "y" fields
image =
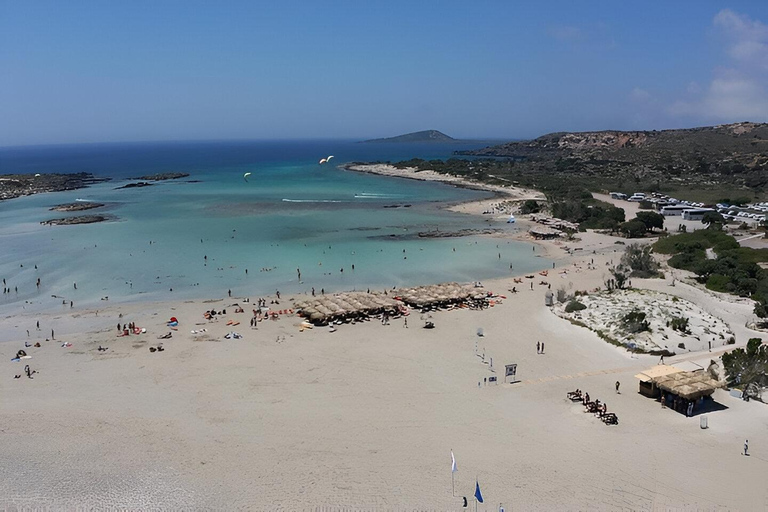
{"x": 52, "y": 336}
{"x": 746, "y": 447}
{"x": 618, "y": 384}
{"x": 661, "y": 361}
{"x": 405, "y": 323}
{"x": 542, "y": 347}
{"x": 538, "y": 347}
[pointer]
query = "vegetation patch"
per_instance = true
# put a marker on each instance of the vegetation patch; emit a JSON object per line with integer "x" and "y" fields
{"x": 735, "y": 269}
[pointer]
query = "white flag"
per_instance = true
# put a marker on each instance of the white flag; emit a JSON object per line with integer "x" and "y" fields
{"x": 454, "y": 468}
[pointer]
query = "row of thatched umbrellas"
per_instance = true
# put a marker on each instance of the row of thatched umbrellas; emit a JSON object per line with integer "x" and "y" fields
{"x": 439, "y": 294}
{"x": 360, "y": 304}
{"x": 346, "y": 304}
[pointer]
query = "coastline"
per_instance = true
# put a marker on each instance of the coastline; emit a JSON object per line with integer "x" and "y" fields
{"x": 512, "y": 193}
{"x": 365, "y": 415}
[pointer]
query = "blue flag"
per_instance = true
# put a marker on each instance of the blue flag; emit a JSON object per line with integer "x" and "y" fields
{"x": 478, "y": 496}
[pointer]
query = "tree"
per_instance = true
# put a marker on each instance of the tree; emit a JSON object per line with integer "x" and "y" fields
{"x": 744, "y": 367}
{"x": 652, "y": 220}
{"x": 619, "y": 276}
{"x": 713, "y": 220}
{"x": 640, "y": 262}
{"x": 633, "y": 229}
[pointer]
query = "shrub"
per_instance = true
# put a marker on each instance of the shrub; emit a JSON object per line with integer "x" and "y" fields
{"x": 679, "y": 323}
{"x": 530, "y": 206}
{"x": 574, "y": 305}
{"x": 640, "y": 261}
{"x": 635, "y": 321}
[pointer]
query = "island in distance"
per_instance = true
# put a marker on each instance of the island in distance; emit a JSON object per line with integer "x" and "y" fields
{"x": 423, "y": 136}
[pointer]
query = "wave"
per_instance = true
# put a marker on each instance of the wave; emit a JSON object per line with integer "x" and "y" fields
{"x": 366, "y": 195}
{"x": 311, "y": 201}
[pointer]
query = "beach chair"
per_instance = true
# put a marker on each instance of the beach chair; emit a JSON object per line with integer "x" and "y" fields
{"x": 575, "y": 396}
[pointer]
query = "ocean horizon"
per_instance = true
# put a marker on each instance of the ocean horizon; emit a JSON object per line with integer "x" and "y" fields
{"x": 214, "y": 232}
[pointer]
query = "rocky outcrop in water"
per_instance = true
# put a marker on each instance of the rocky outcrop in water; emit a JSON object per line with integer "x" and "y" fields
{"x": 76, "y": 207}
{"x": 140, "y": 184}
{"x": 69, "y": 221}
{"x": 163, "y": 176}
{"x": 17, "y": 185}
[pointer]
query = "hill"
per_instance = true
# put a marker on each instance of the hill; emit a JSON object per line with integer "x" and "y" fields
{"x": 423, "y": 136}
{"x": 731, "y": 158}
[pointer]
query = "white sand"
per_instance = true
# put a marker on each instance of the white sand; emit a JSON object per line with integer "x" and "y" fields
{"x": 365, "y": 417}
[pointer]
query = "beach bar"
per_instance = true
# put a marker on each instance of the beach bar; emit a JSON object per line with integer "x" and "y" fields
{"x": 648, "y": 386}
{"x": 680, "y": 390}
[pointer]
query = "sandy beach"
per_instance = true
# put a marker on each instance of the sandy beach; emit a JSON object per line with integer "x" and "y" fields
{"x": 365, "y": 418}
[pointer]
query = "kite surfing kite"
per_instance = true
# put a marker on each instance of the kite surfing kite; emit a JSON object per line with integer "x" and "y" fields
{"x": 325, "y": 160}
{"x": 245, "y": 176}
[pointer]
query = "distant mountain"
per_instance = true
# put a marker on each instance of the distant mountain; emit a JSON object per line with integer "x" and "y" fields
{"x": 423, "y": 136}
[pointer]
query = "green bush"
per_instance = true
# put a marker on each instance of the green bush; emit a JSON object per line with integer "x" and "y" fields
{"x": 635, "y": 321}
{"x": 679, "y": 323}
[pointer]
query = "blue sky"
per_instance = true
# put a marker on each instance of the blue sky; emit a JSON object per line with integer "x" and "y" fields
{"x": 80, "y": 71}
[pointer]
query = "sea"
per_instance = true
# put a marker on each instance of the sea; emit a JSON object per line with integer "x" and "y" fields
{"x": 217, "y": 233}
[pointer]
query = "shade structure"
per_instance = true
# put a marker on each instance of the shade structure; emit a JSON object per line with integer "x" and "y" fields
{"x": 346, "y": 305}
{"x": 688, "y": 385}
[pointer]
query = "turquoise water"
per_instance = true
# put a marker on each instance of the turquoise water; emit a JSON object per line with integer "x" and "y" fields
{"x": 195, "y": 238}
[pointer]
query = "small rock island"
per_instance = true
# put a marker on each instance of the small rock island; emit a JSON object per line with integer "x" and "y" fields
{"x": 76, "y": 207}
{"x": 70, "y": 221}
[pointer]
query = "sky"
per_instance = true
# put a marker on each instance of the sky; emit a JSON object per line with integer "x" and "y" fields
{"x": 107, "y": 71}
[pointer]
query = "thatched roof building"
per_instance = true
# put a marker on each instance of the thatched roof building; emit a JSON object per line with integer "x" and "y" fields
{"x": 688, "y": 385}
